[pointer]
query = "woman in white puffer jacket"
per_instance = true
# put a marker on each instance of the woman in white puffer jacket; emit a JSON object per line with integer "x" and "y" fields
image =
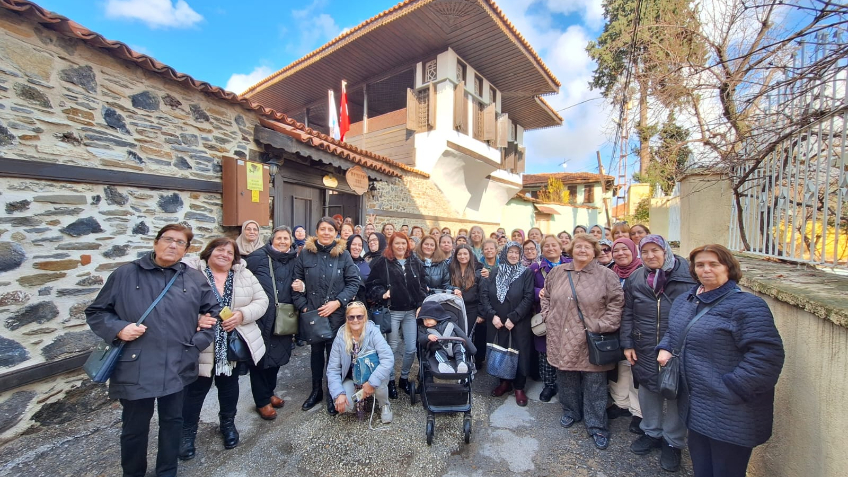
{"x": 234, "y": 286}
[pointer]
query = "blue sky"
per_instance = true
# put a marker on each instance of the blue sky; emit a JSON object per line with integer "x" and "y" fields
{"x": 235, "y": 44}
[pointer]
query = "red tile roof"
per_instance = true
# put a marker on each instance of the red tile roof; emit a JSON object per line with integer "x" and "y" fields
{"x": 120, "y": 50}
{"x": 533, "y": 180}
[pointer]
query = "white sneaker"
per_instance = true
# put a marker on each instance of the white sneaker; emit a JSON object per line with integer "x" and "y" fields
{"x": 386, "y": 413}
{"x": 461, "y": 367}
{"x": 446, "y": 368}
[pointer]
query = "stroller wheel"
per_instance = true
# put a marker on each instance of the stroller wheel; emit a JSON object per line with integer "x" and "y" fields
{"x": 466, "y": 428}
{"x": 413, "y": 396}
{"x": 431, "y": 429}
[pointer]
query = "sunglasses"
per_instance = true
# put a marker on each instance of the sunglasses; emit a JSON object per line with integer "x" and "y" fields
{"x": 355, "y": 317}
{"x": 606, "y": 250}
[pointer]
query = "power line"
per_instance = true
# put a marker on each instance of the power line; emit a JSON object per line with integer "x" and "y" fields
{"x": 578, "y": 104}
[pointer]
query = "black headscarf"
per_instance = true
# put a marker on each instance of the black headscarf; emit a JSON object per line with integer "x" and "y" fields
{"x": 382, "y": 239}
{"x": 350, "y": 240}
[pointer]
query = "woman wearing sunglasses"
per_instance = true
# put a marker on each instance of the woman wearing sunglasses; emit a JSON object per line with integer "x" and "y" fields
{"x": 605, "y": 258}
{"x": 356, "y": 337}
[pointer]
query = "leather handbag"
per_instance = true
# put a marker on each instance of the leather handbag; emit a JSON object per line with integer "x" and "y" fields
{"x": 604, "y": 348}
{"x": 314, "y": 328}
{"x": 102, "y": 361}
{"x": 381, "y": 316}
{"x": 285, "y": 320}
{"x": 364, "y": 364}
{"x": 538, "y": 325}
{"x": 237, "y": 349}
{"x": 669, "y": 379}
{"x": 502, "y": 362}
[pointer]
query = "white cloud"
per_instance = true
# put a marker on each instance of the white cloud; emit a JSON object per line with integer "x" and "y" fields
{"x": 239, "y": 82}
{"x": 322, "y": 27}
{"x": 154, "y": 13}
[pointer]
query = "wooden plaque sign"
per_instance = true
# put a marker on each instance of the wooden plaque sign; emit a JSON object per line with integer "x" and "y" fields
{"x": 357, "y": 179}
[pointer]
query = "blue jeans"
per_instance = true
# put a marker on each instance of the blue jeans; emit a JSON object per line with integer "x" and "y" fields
{"x": 404, "y": 321}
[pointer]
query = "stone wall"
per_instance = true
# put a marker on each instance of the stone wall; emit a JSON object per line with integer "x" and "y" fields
{"x": 64, "y": 102}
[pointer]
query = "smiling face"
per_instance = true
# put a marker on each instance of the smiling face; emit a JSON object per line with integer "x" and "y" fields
{"x": 461, "y": 240}
{"x": 551, "y": 249}
{"x": 606, "y": 255}
{"x": 168, "y": 250}
{"x": 300, "y": 234}
{"x": 435, "y": 232}
{"x": 637, "y": 233}
{"x": 622, "y": 255}
{"x": 530, "y": 252}
{"x": 369, "y": 229}
{"x": 502, "y": 240}
{"x": 251, "y": 232}
{"x": 373, "y": 243}
{"x": 513, "y": 255}
{"x": 490, "y": 250}
{"x": 282, "y": 241}
{"x": 417, "y": 232}
{"x": 653, "y": 255}
{"x": 516, "y": 236}
{"x": 476, "y": 235}
{"x": 463, "y": 256}
{"x": 428, "y": 246}
{"x": 582, "y": 251}
{"x": 399, "y": 247}
{"x": 535, "y": 235}
{"x": 564, "y": 240}
{"x": 222, "y": 257}
{"x": 356, "y": 247}
{"x": 347, "y": 231}
{"x": 356, "y": 319}
{"x": 325, "y": 233}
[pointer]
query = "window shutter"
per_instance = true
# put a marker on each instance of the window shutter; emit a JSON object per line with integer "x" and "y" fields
{"x": 503, "y": 130}
{"x": 460, "y": 108}
{"x": 411, "y": 110}
{"x": 489, "y": 123}
{"x": 519, "y": 163}
{"x": 431, "y": 113}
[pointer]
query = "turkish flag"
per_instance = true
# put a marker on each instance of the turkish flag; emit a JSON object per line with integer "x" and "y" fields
{"x": 344, "y": 117}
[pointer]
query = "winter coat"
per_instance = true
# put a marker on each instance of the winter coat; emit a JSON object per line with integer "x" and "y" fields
{"x": 277, "y": 348}
{"x": 540, "y": 271}
{"x": 441, "y": 326}
{"x": 164, "y": 359}
{"x": 329, "y": 274}
{"x": 437, "y": 275}
{"x": 364, "y": 271}
{"x": 516, "y": 307}
{"x": 601, "y": 301}
{"x": 471, "y": 297}
{"x": 249, "y": 298}
{"x": 730, "y": 366}
{"x": 407, "y": 284}
{"x": 340, "y": 361}
{"x": 645, "y": 318}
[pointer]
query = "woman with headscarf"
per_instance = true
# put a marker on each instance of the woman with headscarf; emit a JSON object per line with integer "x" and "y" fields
{"x": 249, "y": 240}
{"x": 649, "y": 293}
{"x": 597, "y": 231}
{"x": 517, "y": 235}
{"x": 622, "y": 388}
{"x": 530, "y": 252}
{"x": 299, "y": 234}
{"x": 605, "y": 258}
{"x": 376, "y": 245}
{"x": 579, "y": 229}
{"x": 506, "y": 303}
{"x": 355, "y": 245}
{"x": 551, "y": 257}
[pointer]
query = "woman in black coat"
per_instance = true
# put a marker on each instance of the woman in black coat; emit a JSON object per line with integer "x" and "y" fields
{"x": 648, "y": 295}
{"x": 506, "y": 303}
{"x": 275, "y": 259}
{"x": 325, "y": 280}
{"x": 465, "y": 279}
{"x": 397, "y": 278}
{"x": 355, "y": 246}
{"x": 435, "y": 264}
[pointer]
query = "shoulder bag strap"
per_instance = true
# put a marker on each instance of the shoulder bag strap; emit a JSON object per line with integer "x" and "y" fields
{"x": 332, "y": 279}
{"x": 273, "y": 280}
{"x": 701, "y": 313}
{"x": 576, "y": 302}
{"x": 388, "y": 281}
{"x": 159, "y": 298}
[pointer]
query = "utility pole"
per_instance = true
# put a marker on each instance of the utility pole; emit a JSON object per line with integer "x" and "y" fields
{"x": 603, "y": 188}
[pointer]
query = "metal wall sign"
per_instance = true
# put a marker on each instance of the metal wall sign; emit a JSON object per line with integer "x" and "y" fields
{"x": 357, "y": 179}
{"x": 330, "y": 181}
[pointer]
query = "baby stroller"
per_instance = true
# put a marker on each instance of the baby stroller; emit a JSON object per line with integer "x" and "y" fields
{"x": 445, "y": 392}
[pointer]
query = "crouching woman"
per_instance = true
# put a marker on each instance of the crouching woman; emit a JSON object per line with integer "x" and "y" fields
{"x": 355, "y": 338}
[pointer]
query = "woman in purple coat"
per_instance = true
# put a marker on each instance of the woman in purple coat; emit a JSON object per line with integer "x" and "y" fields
{"x": 551, "y": 257}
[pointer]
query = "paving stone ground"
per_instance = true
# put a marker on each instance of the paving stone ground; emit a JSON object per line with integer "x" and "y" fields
{"x": 507, "y": 440}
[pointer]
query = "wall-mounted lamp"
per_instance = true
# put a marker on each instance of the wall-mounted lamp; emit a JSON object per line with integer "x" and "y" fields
{"x": 372, "y": 187}
{"x": 273, "y": 168}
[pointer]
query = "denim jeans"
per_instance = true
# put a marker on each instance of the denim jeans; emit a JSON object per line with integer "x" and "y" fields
{"x": 404, "y": 321}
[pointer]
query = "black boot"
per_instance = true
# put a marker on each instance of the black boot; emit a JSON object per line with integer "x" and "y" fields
{"x": 392, "y": 390}
{"x": 331, "y": 405}
{"x": 403, "y": 384}
{"x": 229, "y": 432}
{"x": 187, "y": 450}
{"x": 548, "y": 392}
{"x": 314, "y": 398}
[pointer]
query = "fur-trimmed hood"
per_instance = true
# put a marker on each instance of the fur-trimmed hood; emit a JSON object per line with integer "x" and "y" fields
{"x": 312, "y": 246}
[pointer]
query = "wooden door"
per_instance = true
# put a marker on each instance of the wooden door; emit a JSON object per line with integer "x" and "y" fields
{"x": 298, "y": 205}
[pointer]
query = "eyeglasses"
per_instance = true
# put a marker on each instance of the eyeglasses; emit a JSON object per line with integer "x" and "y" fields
{"x": 355, "y": 317}
{"x": 170, "y": 240}
{"x": 606, "y": 250}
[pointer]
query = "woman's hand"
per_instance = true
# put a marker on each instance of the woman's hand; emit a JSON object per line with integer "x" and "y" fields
{"x": 509, "y": 324}
{"x": 457, "y": 292}
{"x": 432, "y": 338}
{"x": 204, "y": 322}
{"x": 480, "y": 319}
{"x": 497, "y": 322}
{"x": 341, "y": 403}
{"x": 131, "y": 332}
{"x": 484, "y": 273}
{"x": 541, "y": 293}
{"x": 298, "y": 286}
{"x": 367, "y": 390}
{"x": 663, "y": 357}
{"x": 328, "y": 308}
{"x": 630, "y": 354}
{"x": 233, "y": 321}
{"x": 387, "y": 295}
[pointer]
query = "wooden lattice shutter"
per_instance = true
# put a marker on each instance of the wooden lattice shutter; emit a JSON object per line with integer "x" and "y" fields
{"x": 460, "y": 108}
{"x": 503, "y": 130}
{"x": 489, "y": 123}
{"x": 411, "y": 110}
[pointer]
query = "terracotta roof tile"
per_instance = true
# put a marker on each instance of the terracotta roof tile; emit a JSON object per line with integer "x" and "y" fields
{"x": 120, "y": 50}
{"x": 529, "y": 180}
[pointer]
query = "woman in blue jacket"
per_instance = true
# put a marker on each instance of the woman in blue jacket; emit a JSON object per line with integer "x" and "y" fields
{"x": 729, "y": 368}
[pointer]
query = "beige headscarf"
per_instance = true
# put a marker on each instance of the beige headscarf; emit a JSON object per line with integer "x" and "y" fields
{"x": 245, "y": 246}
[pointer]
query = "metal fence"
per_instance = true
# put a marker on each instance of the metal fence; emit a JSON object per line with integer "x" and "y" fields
{"x": 794, "y": 206}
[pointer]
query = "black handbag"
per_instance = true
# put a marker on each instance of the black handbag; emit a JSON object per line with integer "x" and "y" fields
{"x": 102, "y": 361}
{"x": 237, "y": 349}
{"x": 604, "y": 348}
{"x": 381, "y": 315}
{"x": 312, "y": 327}
{"x": 669, "y": 379}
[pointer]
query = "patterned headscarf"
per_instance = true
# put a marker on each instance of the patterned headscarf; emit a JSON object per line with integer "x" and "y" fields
{"x": 624, "y": 272}
{"x": 507, "y": 272}
{"x": 526, "y": 261}
{"x": 656, "y": 278}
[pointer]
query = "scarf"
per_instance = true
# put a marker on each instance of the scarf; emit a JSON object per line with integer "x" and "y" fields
{"x": 519, "y": 231}
{"x": 380, "y": 249}
{"x": 246, "y": 247}
{"x": 222, "y": 365}
{"x": 350, "y": 240}
{"x": 527, "y": 261}
{"x": 549, "y": 264}
{"x": 298, "y": 244}
{"x": 657, "y": 278}
{"x": 507, "y": 273}
{"x": 624, "y": 272}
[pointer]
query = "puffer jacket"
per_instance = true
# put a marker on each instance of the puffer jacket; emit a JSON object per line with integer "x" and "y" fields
{"x": 601, "y": 300}
{"x": 408, "y": 287}
{"x": 437, "y": 275}
{"x": 730, "y": 366}
{"x": 164, "y": 359}
{"x": 340, "y": 361}
{"x": 277, "y": 348}
{"x": 645, "y": 318}
{"x": 329, "y": 274}
{"x": 249, "y": 298}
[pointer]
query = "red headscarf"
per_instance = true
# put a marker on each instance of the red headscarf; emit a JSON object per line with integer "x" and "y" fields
{"x": 624, "y": 272}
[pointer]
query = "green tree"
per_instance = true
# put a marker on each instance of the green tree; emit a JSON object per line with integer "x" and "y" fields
{"x": 669, "y": 157}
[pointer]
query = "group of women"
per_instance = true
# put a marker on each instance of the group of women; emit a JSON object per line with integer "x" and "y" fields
{"x": 603, "y": 280}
